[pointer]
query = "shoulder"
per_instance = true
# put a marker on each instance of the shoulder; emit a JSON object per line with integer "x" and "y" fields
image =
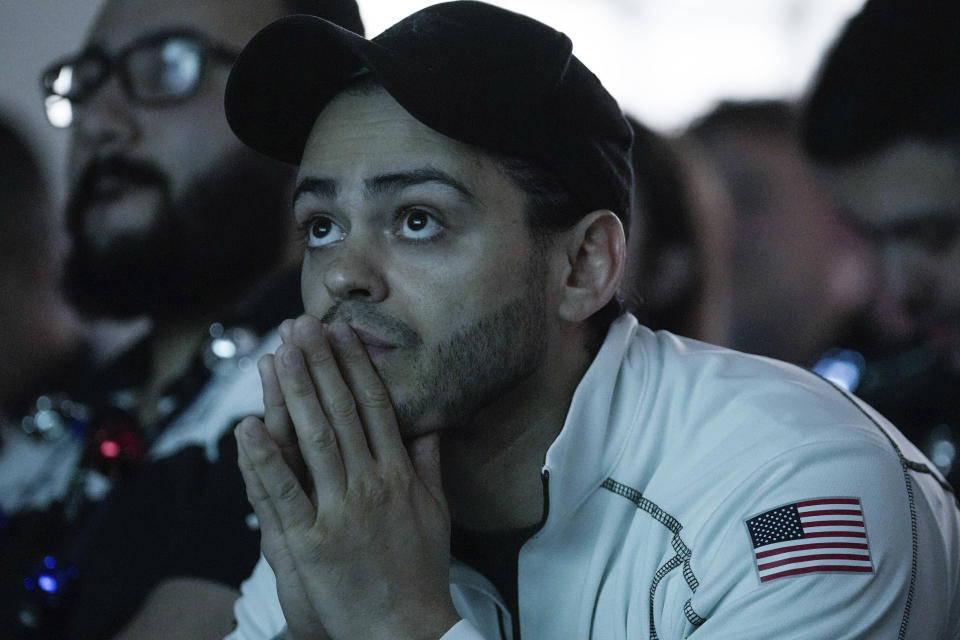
{"x": 743, "y": 451}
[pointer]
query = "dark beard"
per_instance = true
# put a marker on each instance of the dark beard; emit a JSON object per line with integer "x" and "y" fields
{"x": 474, "y": 368}
{"x": 478, "y": 366}
{"x": 227, "y": 229}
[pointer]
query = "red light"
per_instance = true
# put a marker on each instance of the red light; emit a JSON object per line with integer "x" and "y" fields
{"x": 109, "y": 449}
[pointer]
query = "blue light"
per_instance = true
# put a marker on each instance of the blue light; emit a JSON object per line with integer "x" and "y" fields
{"x": 842, "y": 367}
{"x": 29, "y": 584}
{"x": 50, "y": 562}
{"x": 48, "y": 583}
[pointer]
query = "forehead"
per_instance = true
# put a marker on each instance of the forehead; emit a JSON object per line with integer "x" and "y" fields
{"x": 226, "y": 21}
{"x": 368, "y": 133}
{"x": 907, "y": 180}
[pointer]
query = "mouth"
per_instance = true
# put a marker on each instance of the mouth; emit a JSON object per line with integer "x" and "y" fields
{"x": 110, "y": 179}
{"x": 373, "y": 344}
{"x": 107, "y": 186}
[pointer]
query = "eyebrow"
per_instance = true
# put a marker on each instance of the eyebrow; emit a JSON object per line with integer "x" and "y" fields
{"x": 320, "y": 187}
{"x": 392, "y": 182}
{"x": 385, "y": 183}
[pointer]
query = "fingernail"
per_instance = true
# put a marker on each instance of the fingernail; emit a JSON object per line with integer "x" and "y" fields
{"x": 250, "y": 431}
{"x": 286, "y": 329}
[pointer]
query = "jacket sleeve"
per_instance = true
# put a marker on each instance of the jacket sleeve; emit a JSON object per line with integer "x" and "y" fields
{"x": 749, "y": 587}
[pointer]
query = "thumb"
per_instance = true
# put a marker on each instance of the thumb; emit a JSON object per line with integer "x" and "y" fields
{"x": 424, "y": 452}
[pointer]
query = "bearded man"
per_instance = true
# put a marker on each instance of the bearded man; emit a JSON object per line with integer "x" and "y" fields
{"x": 463, "y": 438}
{"x": 173, "y": 220}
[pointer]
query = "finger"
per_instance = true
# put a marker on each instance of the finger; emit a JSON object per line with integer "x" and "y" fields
{"x": 257, "y": 495}
{"x": 424, "y": 452}
{"x": 275, "y": 416}
{"x": 286, "y": 330}
{"x": 336, "y": 397}
{"x": 272, "y": 489}
{"x": 371, "y": 396}
{"x": 317, "y": 440}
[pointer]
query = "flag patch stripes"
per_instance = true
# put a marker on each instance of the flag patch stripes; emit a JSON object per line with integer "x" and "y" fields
{"x": 822, "y": 535}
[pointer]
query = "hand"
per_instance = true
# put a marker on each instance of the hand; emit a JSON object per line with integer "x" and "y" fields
{"x": 365, "y": 526}
{"x": 302, "y": 621}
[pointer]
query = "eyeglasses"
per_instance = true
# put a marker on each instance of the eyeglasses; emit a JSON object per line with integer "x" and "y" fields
{"x": 158, "y": 69}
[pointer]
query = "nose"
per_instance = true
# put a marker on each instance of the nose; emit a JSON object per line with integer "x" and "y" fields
{"x": 356, "y": 272}
{"x": 105, "y": 122}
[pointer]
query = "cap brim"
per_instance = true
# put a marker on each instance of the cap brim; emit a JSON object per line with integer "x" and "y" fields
{"x": 285, "y": 76}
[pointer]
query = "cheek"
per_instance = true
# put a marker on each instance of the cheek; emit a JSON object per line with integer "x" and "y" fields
{"x": 187, "y": 141}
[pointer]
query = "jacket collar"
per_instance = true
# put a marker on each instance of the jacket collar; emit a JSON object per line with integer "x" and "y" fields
{"x": 600, "y": 421}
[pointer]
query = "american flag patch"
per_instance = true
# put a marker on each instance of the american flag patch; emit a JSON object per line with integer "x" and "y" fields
{"x": 822, "y": 535}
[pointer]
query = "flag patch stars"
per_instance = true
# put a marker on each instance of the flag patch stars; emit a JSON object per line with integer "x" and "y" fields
{"x": 822, "y": 535}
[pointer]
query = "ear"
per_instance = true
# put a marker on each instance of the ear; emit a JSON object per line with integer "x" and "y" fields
{"x": 595, "y": 254}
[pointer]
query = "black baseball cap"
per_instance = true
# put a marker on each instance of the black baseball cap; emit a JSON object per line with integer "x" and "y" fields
{"x": 476, "y": 73}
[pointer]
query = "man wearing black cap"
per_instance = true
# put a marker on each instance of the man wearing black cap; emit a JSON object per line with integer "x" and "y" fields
{"x": 461, "y": 441}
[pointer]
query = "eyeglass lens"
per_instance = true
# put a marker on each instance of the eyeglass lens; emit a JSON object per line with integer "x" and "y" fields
{"x": 163, "y": 70}
{"x": 166, "y": 70}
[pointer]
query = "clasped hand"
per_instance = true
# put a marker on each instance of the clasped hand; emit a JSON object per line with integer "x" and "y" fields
{"x": 353, "y": 520}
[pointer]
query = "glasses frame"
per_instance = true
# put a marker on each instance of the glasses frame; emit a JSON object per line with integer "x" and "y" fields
{"x": 117, "y": 65}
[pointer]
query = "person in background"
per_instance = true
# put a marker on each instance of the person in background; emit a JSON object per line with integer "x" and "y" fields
{"x": 172, "y": 219}
{"x": 882, "y": 122}
{"x": 734, "y": 241}
{"x": 797, "y": 272}
{"x": 669, "y": 282}
{"x": 464, "y": 437}
{"x": 41, "y": 338}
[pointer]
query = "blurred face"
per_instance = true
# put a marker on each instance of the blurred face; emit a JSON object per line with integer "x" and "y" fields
{"x": 908, "y": 198}
{"x": 167, "y": 206}
{"x": 422, "y": 245}
{"x": 799, "y": 272}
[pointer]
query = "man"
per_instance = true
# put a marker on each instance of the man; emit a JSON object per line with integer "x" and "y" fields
{"x": 457, "y": 387}
{"x": 883, "y": 124}
{"x": 798, "y": 273}
{"x": 173, "y": 219}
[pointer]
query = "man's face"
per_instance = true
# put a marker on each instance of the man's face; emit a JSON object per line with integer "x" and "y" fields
{"x": 422, "y": 245}
{"x": 162, "y": 205}
{"x": 799, "y": 272}
{"x": 908, "y": 198}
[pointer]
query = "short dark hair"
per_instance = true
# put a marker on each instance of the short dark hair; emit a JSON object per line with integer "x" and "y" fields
{"x": 723, "y": 134}
{"x": 738, "y": 116}
{"x": 892, "y": 74}
{"x": 551, "y": 208}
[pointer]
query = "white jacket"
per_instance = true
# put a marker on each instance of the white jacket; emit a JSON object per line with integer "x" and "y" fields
{"x": 670, "y": 447}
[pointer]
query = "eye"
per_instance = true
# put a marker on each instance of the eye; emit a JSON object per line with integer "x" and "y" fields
{"x": 418, "y": 224}
{"x": 321, "y": 231}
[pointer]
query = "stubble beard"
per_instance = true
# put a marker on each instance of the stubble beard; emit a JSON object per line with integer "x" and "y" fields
{"x": 478, "y": 366}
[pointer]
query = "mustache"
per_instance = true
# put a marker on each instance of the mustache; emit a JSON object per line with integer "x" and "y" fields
{"x": 88, "y": 188}
{"x": 127, "y": 170}
{"x": 373, "y": 320}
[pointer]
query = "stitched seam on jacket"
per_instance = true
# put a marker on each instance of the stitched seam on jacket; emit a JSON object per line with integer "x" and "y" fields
{"x": 683, "y": 551}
